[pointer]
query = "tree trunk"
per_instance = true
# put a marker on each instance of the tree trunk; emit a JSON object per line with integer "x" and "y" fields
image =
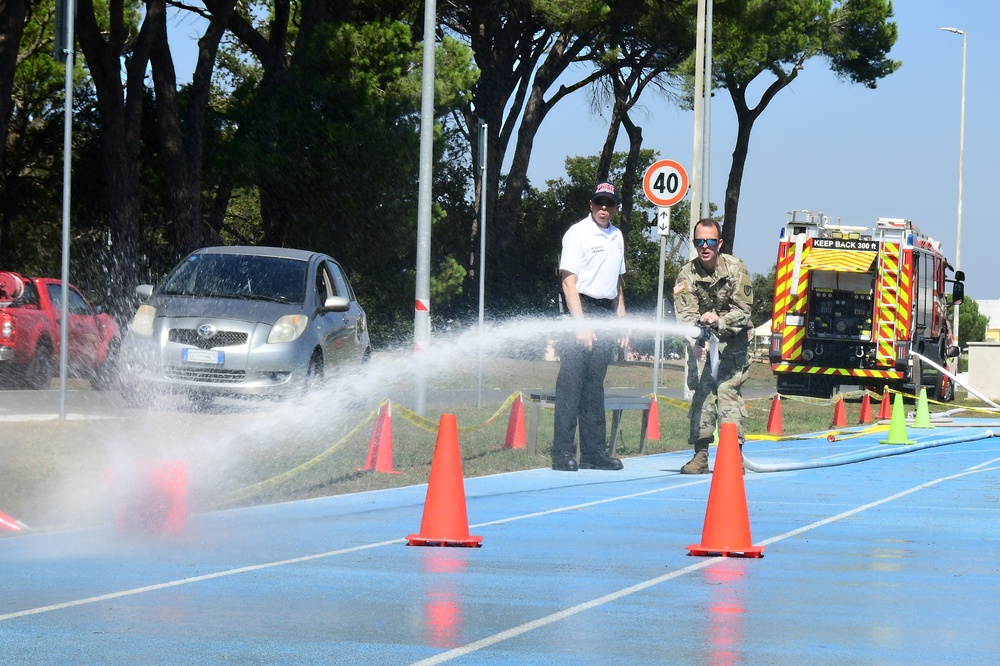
{"x": 12, "y": 18}
{"x": 183, "y": 145}
{"x": 745, "y": 118}
{"x": 121, "y": 114}
{"x": 631, "y": 170}
{"x": 735, "y": 182}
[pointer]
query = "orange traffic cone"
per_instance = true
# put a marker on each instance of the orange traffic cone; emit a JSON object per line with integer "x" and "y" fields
{"x": 380, "y": 451}
{"x": 517, "y": 437}
{"x": 727, "y": 523}
{"x": 653, "y": 420}
{"x": 866, "y": 409}
{"x": 445, "y": 521}
{"x": 8, "y": 524}
{"x": 839, "y": 415}
{"x": 774, "y": 417}
{"x": 151, "y": 496}
{"x": 885, "y": 408}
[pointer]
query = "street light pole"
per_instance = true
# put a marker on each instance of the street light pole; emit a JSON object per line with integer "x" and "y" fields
{"x": 961, "y": 161}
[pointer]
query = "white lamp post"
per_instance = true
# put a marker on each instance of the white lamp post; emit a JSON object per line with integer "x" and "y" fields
{"x": 961, "y": 160}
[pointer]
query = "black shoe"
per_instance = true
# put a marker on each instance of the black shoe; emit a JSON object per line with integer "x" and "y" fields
{"x": 601, "y": 462}
{"x": 564, "y": 464}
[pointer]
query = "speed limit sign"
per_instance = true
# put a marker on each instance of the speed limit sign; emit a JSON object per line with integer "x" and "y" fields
{"x": 665, "y": 183}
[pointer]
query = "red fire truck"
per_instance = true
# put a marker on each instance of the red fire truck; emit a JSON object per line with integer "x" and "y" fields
{"x": 852, "y": 303}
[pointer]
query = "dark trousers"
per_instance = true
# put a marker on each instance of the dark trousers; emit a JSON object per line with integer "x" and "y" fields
{"x": 580, "y": 398}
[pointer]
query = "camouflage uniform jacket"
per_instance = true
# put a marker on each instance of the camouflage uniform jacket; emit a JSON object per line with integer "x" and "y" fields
{"x": 727, "y": 291}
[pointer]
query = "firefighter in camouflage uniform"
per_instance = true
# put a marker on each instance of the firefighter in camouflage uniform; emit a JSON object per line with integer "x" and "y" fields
{"x": 714, "y": 290}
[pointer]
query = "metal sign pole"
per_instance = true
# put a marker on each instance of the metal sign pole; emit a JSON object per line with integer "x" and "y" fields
{"x": 68, "y": 48}
{"x": 482, "y": 253}
{"x": 422, "y": 314}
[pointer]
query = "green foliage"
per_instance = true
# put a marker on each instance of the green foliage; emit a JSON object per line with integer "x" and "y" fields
{"x": 861, "y": 36}
{"x": 763, "y": 296}
{"x": 446, "y": 282}
{"x": 971, "y": 324}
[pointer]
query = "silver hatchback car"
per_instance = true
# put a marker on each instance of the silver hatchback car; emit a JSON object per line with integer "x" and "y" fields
{"x": 243, "y": 321}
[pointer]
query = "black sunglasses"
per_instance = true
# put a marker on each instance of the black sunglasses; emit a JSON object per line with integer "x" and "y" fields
{"x": 702, "y": 242}
{"x": 605, "y": 202}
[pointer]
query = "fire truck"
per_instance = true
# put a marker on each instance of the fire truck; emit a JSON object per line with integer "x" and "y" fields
{"x": 852, "y": 304}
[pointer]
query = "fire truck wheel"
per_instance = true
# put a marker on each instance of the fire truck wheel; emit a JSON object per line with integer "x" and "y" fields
{"x": 40, "y": 370}
{"x": 945, "y": 389}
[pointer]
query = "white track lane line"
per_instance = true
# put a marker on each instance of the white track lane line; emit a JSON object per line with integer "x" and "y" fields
{"x": 307, "y": 558}
{"x": 639, "y": 587}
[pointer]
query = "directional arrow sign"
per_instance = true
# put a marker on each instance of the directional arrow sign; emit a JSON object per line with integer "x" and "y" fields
{"x": 663, "y": 220}
{"x": 665, "y": 183}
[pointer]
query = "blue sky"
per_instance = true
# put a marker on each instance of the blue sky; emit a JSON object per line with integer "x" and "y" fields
{"x": 830, "y": 146}
{"x": 850, "y": 152}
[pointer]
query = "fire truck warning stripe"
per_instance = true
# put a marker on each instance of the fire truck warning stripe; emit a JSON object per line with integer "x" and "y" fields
{"x": 843, "y": 372}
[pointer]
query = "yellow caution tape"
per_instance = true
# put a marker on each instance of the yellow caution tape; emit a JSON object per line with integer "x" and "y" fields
{"x": 255, "y": 488}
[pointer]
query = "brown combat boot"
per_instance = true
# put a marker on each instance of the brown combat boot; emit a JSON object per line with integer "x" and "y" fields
{"x": 698, "y": 464}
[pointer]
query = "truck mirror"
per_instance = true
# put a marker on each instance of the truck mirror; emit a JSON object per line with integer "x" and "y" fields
{"x": 960, "y": 276}
{"x": 953, "y": 351}
{"x": 957, "y": 292}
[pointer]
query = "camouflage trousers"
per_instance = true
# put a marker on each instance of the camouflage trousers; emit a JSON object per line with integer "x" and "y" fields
{"x": 717, "y": 400}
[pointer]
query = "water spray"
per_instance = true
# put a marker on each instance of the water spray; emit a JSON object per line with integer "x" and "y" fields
{"x": 956, "y": 380}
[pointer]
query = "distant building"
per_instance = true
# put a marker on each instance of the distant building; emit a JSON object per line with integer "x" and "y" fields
{"x": 991, "y": 309}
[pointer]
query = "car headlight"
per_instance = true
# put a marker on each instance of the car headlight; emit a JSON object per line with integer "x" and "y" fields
{"x": 142, "y": 322}
{"x": 287, "y": 328}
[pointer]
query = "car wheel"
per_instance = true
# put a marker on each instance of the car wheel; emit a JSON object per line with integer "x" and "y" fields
{"x": 38, "y": 373}
{"x": 314, "y": 377}
{"x": 106, "y": 376}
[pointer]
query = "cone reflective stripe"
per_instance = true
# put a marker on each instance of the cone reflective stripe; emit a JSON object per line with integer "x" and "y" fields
{"x": 517, "y": 437}
{"x": 380, "y": 450}
{"x": 866, "y": 410}
{"x": 774, "y": 417}
{"x": 885, "y": 408}
{"x": 727, "y": 521}
{"x": 653, "y": 422}
{"x": 897, "y": 426}
{"x": 839, "y": 415}
{"x": 445, "y": 521}
{"x": 9, "y": 524}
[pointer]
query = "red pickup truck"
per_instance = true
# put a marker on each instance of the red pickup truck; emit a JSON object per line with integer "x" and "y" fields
{"x": 30, "y": 313}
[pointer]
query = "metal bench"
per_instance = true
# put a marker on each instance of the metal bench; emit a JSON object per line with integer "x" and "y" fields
{"x": 616, "y": 404}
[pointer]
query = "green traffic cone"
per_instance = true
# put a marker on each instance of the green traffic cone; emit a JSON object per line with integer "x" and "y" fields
{"x": 897, "y": 426}
{"x": 923, "y": 417}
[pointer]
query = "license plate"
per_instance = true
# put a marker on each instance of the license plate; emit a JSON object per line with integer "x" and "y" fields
{"x": 202, "y": 356}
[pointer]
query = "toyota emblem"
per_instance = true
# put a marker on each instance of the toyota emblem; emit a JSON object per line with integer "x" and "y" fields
{"x": 206, "y": 331}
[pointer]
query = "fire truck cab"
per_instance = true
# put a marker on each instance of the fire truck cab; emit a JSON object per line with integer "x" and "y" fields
{"x": 852, "y": 303}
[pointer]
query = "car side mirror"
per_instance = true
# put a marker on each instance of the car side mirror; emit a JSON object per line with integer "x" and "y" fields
{"x": 958, "y": 291}
{"x": 953, "y": 351}
{"x": 143, "y": 292}
{"x": 337, "y": 304}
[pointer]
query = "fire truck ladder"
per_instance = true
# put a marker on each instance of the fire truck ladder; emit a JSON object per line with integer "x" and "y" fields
{"x": 888, "y": 302}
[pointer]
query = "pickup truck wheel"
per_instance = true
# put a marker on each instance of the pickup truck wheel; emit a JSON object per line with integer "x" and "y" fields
{"x": 38, "y": 373}
{"x": 106, "y": 376}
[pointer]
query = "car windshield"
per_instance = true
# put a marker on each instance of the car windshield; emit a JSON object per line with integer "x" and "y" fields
{"x": 239, "y": 276}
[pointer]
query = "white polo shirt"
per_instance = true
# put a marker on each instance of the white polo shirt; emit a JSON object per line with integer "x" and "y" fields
{"x": 595, "y": 255}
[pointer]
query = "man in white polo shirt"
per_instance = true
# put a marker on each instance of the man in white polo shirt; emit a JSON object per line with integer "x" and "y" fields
{"x": 591, "y": 267}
